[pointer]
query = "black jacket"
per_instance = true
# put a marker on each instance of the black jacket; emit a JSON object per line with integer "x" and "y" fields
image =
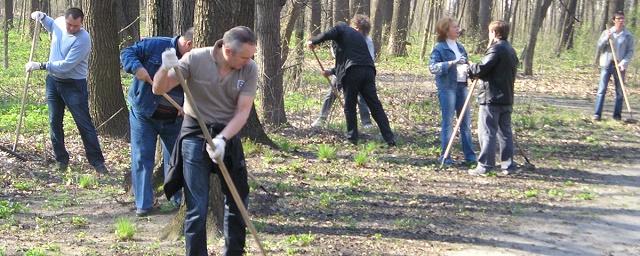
{"x": 233, "y": 159}
{"x": 497, "y": 72}
{"x": 351, "y": 48}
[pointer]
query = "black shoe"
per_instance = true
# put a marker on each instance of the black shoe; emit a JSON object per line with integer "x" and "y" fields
{"x": 101, "y": 169}
{"x": 617, "y": 118}
{"x": 391, "y": 143}
{"x": 59, "y": 167}
{"x": 143, "y": 212}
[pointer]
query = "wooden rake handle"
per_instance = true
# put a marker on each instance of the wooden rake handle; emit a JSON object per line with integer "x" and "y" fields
{"x": 620, "y": 78}
{"x": 458, "y": 122}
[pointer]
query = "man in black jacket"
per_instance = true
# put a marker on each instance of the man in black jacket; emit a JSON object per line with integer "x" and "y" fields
{"x": 497, "y": 72}
{"x": 356, "y": 72}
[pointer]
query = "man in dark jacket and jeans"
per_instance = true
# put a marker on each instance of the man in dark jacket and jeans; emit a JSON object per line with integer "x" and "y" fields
{"x": 355, "y": 70}
{"x": 497, "y": 72}
{"x": 151, "y": 115}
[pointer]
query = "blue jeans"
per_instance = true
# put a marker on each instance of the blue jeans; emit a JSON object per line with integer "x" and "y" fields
{"x": 72, "y": 94}
{"x": 144, "y": 132}
{"x": 494, "y": 127}
{"x": 196, "y": 167}
{"x": 605, "y": 76}
{"x": 451, "y": 102}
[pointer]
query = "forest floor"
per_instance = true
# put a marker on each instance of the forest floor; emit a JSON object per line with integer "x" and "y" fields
{"x": 334, "y": 198}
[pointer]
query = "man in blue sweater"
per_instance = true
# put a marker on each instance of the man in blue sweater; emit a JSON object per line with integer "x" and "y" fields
{"x": 66, "y": 84}
{"x": 151, "y": 115}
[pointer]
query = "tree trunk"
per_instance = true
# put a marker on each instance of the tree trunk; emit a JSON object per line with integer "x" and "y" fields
{"x": 506, "y": 14}
{"x": 536, "y": 23}
{"x": 568, "y": 27}
{"x": 425, "y": 39}
{"x": 360, "y": 7}
{"x": 8, "y": 8}
{"x": 473, "y": 6}
{"x": 614, "y": 6}
{"x": 604, "y": 22}
{"x": 45, "y": 6}
{"x": 159, "y": 18}
{"x": 341, "y": 11}
{"x": 293, "y": 14}
{"x": 387, "y": 18}
{"x": 269, "y": 60}
{"x": 299, "y": 34}
{"x": 183, "y": 15}
{"x": 512, "y": 21}
{"x": 8, "y": 11}
{"x": 128, "y": 22}
{"x": 376, "y": 25}
{"x": 400, "y": 23}
{"x": 327, "y": 14}
{"x": 105, "y": 88}
{"x": 316, "y": 17}
{"x": 484, "y": 18}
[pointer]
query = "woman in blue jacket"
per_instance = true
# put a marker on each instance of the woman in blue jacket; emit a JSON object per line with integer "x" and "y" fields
{"x": 448, "y": 62}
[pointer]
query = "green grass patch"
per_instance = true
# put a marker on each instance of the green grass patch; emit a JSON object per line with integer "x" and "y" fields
{"x": 326, "y": 200}
{"x": 24, "y": 185}
{"x": 125, "y": 229}
{"x": 87, "y": 181}
{"x": 326, "y": 152}
{"x": 250, "y": 147}
{"x": 586, "y": 195}
{"x": 531, "y": 193}
{"x": 296, "y": 101}
{"x": 8, "y": 209}
{"x": 284, "y": 144}
{"x": 37, "y": 251}
{"x": 301, "y": 240}
{"x": 555, "y": 192}
{"x": 79, "y": 221}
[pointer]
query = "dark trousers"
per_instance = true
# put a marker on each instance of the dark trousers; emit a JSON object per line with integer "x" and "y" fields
{"x": 494, "y": 127}
{"x": 72, "y": 94}
{"x": 362, "y": 80}
{"x": 330, "y": 97}
{"x": 196, "y": 169}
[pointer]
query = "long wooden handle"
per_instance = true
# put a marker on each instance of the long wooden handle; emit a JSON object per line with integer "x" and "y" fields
{"x": 459, "y": 121}
{"x": 25, "y": 91}
{"x": 219, "y": 160}
{"x": 620, "y": 78}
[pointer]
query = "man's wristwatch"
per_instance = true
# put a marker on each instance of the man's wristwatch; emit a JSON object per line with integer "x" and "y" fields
{"x": 43, "y": 65}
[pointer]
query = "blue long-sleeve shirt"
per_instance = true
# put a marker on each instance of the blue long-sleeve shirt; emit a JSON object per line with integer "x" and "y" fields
{"x": 69, "y": 53}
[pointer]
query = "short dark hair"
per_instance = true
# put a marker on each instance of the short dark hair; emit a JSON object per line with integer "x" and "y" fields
{"x": 618, "y": 14}
{"x": 188, "y": 34}
{"x": 362, "y": 23}
{"x": 74, "y": 13}
{"x": 501, "y": 28}
{"x": 234, "y": 38}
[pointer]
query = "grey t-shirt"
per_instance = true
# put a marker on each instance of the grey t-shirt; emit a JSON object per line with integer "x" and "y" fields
{"x": 216, "y": 97}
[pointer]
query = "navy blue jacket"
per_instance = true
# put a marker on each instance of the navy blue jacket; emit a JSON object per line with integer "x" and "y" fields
{"x": 147, "y": 53}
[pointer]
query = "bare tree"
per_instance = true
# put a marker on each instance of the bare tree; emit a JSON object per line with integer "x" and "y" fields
{"x": 566, "y": 38}
{"x": 128, "y": 21}
{"x": 159, "y": 17}
{"x": 269, "y": 59}
{"x": 295, "y": 11}
{"x": 484, "y": 18}
{"x": 400, "y": 27}
{"x": 316, "y": 17}
{"x": 471, "y": 21}
{"x": 341, "y": 10}
{"x": 8, "y": 10}
{"x": 106, "y": 98}
{"x": 376, "y": 24}
{"x": 360, "y": 7}
{"x": 537, "y": 20}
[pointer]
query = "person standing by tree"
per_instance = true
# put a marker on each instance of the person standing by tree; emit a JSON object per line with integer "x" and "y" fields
{"x": 66, "y": 84}
{"x": 223, "y": 81}
{"x": 362, "y": 25}
{"x": 623, "y": 42}
{"x": 448, "y": 63}
{"x": 356, "y": 71}
{"x": 497, "y": 72}
{"x": 151, "y": 115}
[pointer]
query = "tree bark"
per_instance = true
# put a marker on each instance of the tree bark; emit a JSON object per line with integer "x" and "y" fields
{"x": 45, "y": 6}
{"x": 293, "y": 14}
{"x": 387, "y": 18}
{"x": 183, "y": 15}
{"x": 360, "y": 7}
{"x": 269, "y": 60}
{"x": 484, "y": 18}
{"x": 426, "y": 36}
{"x": 327, "y": 14}
{"x": 566, "y": 41}
{"x": 471, "y": 20}
{"x": 536, "y": 23}
{"x": 604, "y": 22}
{"x": 159, "y": 17}
{"x": 128, "y": 19}
{"x": 8, "y": 10}
{"x": 400, "y": 23}
{"x": 614, "y": 6}
{"x": 105, "y": 88}
{"x": 316, "y": 17}
{"x": 341, "y": 11}
{"x": 634, "y": 14}
{"x": 512, "y": 21}
{"x": 299, "y": 50}
{"x": 376, "y": 25}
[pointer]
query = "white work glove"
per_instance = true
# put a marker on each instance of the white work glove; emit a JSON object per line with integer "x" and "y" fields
{"x": 220, "y": 144}
{"x": 38, "y": 15}
{"x": 462, "y": 60}
{"x": 621, "y": 67}
{"x": 31, "y": 66}
{"x": 169, "y": 59}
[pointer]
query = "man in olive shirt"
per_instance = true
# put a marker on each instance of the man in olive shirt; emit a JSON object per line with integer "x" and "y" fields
{"x": 223, "y": 82}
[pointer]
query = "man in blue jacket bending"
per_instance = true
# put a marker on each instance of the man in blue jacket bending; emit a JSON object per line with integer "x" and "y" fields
{"x": 151, "y": 115}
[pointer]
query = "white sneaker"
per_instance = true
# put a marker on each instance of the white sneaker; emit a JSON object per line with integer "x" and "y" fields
{"x": 368, "y": 126}
{"x": 318, "y": 123}
{"x": 478, "y": 171}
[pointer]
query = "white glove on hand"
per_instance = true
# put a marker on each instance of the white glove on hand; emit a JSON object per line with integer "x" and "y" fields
{"x": 169, "y": 59}
{"x": 621, "y": 67}
{"x": 38, "y": 15}
{"x": 31, "y": 66}
{"x": 219, "y": 151}
{"x": 462, "y": 60}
